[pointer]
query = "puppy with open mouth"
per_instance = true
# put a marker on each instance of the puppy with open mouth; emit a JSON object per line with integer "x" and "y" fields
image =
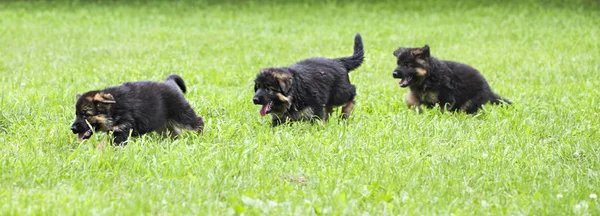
{"x": 309, "y": 89}
{"x": 451, "y": 85}
{"x": 136, "y": 108}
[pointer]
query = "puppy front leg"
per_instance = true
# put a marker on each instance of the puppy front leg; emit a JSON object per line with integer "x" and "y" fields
{"x": 121, "y": 133}
{"x": 412, "y": 101}
{"x": 449, "y": 105}
{"x": 277, "y": 119}
{"x": 120, "y": 138}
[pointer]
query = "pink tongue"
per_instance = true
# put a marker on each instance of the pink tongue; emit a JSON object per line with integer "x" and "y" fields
{"x": 263, "y": 110}
{"x": 80, "y": 136}
{"x": 404, "y": 82}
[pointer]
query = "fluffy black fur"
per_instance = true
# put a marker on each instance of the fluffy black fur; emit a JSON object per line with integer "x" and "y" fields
{"x": 452, "y": 85}
{"x": 136, "y": 108}
{"x": 309, "y": 89}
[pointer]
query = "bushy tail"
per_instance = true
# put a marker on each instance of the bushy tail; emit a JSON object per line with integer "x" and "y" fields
{"x": 500, "y": 100}
{"x": 178, "y": 81}
{"x": 354, "y": 61}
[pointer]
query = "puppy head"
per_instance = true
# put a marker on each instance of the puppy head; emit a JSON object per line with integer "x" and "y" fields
{"x": 412, "y": 65}
{"x": 91, "y": 111}
{"x": 272, "y": 88}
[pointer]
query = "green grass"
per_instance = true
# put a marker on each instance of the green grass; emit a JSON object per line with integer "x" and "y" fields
{"x": 538, "y": 157}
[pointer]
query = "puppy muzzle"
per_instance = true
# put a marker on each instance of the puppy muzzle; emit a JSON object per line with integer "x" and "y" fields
{"x": 397, "y": 74}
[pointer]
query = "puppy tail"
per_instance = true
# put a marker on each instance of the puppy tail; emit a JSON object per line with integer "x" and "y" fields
{"x": 354, "y": 61}
{"x": 177, "y": 80}
{"x": 500, "y": 100}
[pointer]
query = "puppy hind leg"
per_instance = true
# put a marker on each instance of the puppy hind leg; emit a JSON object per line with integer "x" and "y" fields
{"x": 163, "y": 131}
{"x": 347, "y": 109}
{"x": 200, "y": 127}
{"x": 319, "y": 114}
{"x": 187, "y": 119}
{"x": 174, "y": 131}
{"x": 170, "y": 129}
{"x": 328, "y": 111}
{"x": 473, "y": 105}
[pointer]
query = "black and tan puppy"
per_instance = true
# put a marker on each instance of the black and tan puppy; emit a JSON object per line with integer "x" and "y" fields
{"x": 309, "y": 89}
{"x": 452, "y": 85}
{"x": 136, "y": 108}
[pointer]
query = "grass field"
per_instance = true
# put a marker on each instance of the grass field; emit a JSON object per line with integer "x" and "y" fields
{"x": 538, "y": 157}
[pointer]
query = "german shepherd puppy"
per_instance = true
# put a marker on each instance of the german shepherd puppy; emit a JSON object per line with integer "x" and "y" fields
{"x": 452, "y": 85}
{"x": 136, "y": 108}
{"x": 309, "y": 89}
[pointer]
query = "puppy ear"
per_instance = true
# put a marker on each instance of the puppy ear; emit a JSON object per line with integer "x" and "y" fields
{"x": 285, "y": 81}
{"x": 425, "y": 54}
{"x": 105, "y": 98}
{"x": 285, "y": 85}
{"x": 397, "y": 53}
{"x": 422, "y": 53}
{"x": 77, "y": 96}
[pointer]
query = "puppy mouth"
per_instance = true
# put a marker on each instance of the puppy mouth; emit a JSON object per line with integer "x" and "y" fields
{"x": 265, "y": 109}
{"x": 84, "y": 135}
{"x": 405, "y": 81}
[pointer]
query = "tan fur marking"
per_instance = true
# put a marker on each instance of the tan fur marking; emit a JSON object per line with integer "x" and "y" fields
{"x": 421, "y": 72}
{"x": 280, "y": 76}
{"x": 347, "y": 109}
{"x": 98, "y": 97}
{"x": 306, "y": 112}
{"x": 104, "y": 98}
{"x": 466, "y": 105}
{"x": 284, "y": 79}
{"x": 282, "y": 98}
{"x": 115, "y": 128}
{"x": 416, "y": 52}
{"x": 412, "y": 101}
{"x": 99, "y": 120}
{"x": 430, "y": 97}
{"x": 85, "y": 108}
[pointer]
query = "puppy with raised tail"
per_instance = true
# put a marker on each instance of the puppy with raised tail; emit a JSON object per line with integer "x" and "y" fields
{"x": 134, "y": 109}
{"x": 309, "y": 89}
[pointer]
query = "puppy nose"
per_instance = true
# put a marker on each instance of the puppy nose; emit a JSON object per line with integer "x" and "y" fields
{"x": 255, "y": 100}
{"x": 74, "y": 128}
